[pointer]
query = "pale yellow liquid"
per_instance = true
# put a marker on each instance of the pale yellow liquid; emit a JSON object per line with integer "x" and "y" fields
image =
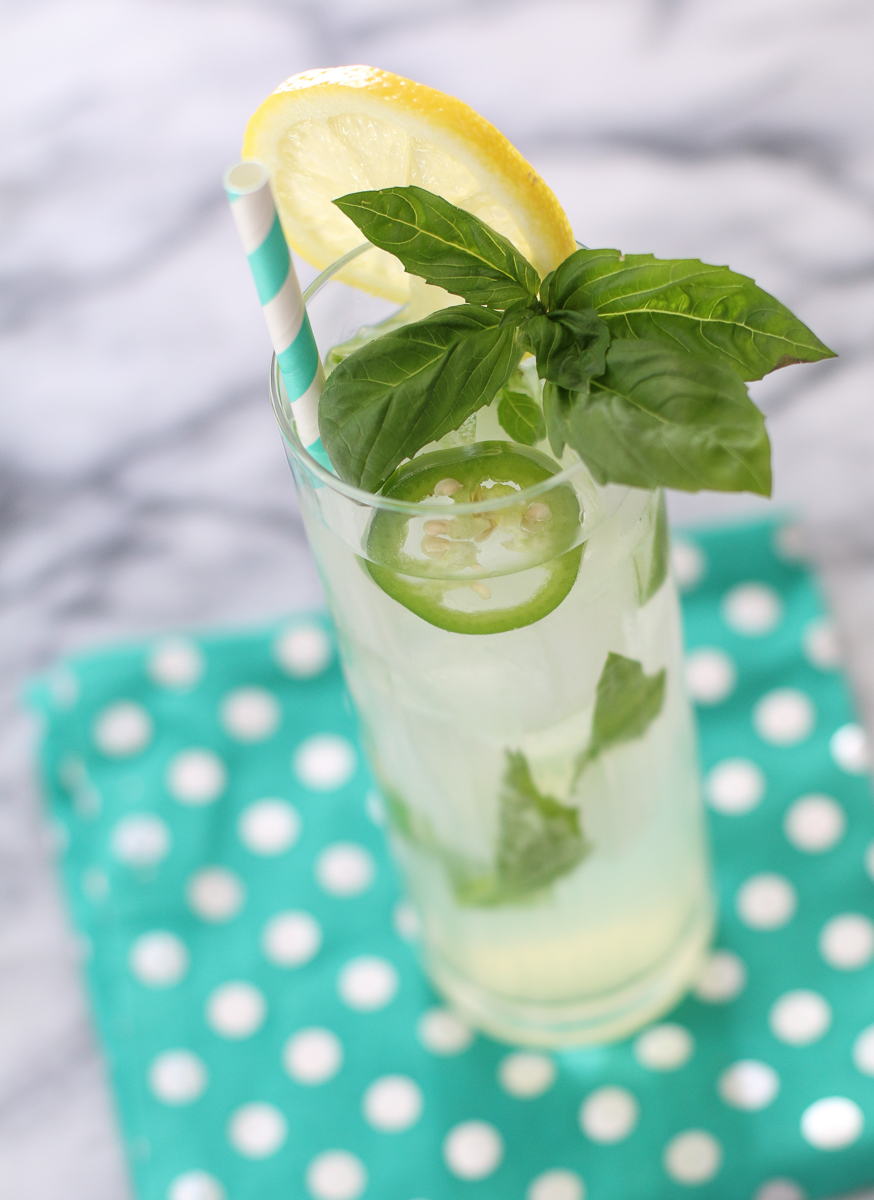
{"x": 441, "y": 709}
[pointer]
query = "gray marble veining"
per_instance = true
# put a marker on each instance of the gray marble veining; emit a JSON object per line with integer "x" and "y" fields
{"x": 142, "y": 484}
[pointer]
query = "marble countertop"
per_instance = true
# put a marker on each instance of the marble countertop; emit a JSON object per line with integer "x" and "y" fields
{"x": 142, "y": 482}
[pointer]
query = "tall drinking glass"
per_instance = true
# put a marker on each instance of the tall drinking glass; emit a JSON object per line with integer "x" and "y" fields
{"x": 513, "y": 650}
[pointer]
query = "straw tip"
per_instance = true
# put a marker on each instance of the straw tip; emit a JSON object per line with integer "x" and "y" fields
{"x": 245, "y": 177}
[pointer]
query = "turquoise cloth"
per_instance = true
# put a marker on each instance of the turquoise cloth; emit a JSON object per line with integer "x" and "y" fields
{"x": 253, "y": 968}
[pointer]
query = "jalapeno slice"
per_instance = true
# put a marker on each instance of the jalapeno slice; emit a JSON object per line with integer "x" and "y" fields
{"x": 477, "y": 572}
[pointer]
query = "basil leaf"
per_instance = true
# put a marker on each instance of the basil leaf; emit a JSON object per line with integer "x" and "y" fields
{"x": 539, "y": 840}
{"x": 651, "y": 563}
{"x": 394, "y": 395}
{"x": 626, "y": 703}
{"x": 556, "y": 408}
{"x": 445, "y": 245}
{"x": 569, "y": 346}
{"x": 520, "y": 418}
{"x": 706, "y": 310}
{"x": 662, "y": 417}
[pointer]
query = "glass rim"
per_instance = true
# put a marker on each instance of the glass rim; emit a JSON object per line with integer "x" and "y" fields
{"x": 374, "y": 499}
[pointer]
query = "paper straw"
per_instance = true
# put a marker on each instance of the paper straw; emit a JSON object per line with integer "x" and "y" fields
{"x": 247, "y": 185}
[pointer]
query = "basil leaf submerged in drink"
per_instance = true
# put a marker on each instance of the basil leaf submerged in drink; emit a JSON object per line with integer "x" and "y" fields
{"x": 644, "y": 359}
{"x": 627, "y": 701}
{"x": 539, "y": 841}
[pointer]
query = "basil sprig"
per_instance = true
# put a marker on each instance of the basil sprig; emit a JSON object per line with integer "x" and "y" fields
{"x": 644, "y": 360}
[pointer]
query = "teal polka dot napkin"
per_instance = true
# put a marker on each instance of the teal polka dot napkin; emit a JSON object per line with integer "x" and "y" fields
{"x": 252, "y": 964}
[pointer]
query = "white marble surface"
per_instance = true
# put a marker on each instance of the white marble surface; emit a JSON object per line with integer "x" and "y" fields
{"x": 143, "y": 484}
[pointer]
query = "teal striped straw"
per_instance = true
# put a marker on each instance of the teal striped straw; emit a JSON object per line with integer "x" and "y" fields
{"x": 247, "y": 185}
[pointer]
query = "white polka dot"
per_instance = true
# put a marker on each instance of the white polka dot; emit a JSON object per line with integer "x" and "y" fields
{"x": 710, "y": 675}
{"x": 196, "y": 1185}
{"x": 312, "y": 1056}
{"x": 693, "y": 1157}
{"x": 832, "y": 1123}
{"x": 473, "y": 1150}
{"x": 122, "y": 729}
{"x": 735, "y": 786}
{"x": 556, "y": 1185}
{"x": 814, "y": 824}
{"x": 344, "y": 869}
{"x": 196, "y": 777}
{"x": 688, "y": 564}
{"x": 257, "y": 1130}
{"x": 176, "y": 663}
{"x": 236, "y": 1010}
{"x": 324, "y": 763}
{"x": 406, "y": 921}
{"x": 849, "y": 749}
{"x": 336, "y": 1175}
{"x": 140, "y": 840}
{"x": 608, "y": 1114}
{"x": 304, "y": 651}
{"x": 780, "y": 1189}
{"x": 749, "y": 1085}
{"x": 800, "y": 1017}
{"x": 820, "y": 643}
{"x": 367, "y": 983}
{"x": 250, "y": 714}
{"x": 291, "y": 939}
{"x": 158, "y": 959}
{"x": 526, "y": 1075}
{"x": 178, "y": 1077}
{"x": 215, "y": 894}
{"x": 766, "y": 901}
{"x": 442, "y": 1032}
{"x": 784, "y": 717}
{"x": 847, "y": 941}
{"x": 869, "y": 860}
{"x": 665, "y": 1047}
{"x": 269, "y": 826}
{"x": 752, "y": 609}
{"x": 392, "y": 1103}
{"x": 863, "y": 1051}
{"x": 723, "y": 978}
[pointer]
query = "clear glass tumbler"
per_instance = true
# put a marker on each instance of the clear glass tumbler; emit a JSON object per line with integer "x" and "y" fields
{"x": 540, "y": 781}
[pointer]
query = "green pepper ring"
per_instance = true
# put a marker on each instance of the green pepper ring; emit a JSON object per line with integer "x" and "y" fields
{"x": 424, "y": 596}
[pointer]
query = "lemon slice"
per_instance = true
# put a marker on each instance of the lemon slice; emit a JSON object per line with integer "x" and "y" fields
{"x": 326, "y": 133}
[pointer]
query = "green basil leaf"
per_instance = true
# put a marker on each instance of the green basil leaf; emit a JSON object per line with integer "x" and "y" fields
{"x": 556, "y": 408}
{"x": 539, "y": 839}
{"x": 520, "y": 417}
{"x": 626, "y": 703}
{"x": 569, "y": 346}
{"x": 394, "y": 395}
{"x": 445, "y": 245}
{"x": 655, "y": 567}
{"x": 707, "y": 310}
{"x": 662, "y": 417}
